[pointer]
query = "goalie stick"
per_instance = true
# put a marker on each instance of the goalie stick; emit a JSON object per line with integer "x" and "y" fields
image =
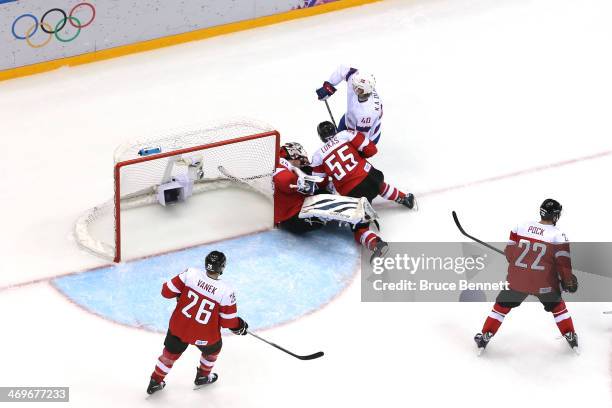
{"x": 499, "y": 251}
{"x": 307, "y": 357}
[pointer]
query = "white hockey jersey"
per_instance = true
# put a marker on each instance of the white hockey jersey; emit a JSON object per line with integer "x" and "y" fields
{"x": 365, "y": 116}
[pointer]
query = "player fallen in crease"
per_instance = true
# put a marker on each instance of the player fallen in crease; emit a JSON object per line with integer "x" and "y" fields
{"x": 343, "y": 158}
{"x": 299, "y": 209}
{"x": 204, "y": 304}
{"x": 539, "y": 260}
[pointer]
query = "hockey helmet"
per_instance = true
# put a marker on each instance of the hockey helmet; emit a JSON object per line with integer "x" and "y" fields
{"x": 215, "y": 262}
{"x": 294, "y": 151}
{"x": 550, "y": 210}
{"x": 326, "y": 130}
{"x": 363, "y": 84}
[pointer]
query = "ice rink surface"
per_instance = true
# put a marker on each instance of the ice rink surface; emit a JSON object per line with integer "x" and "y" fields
{"x": 490, "y": 107}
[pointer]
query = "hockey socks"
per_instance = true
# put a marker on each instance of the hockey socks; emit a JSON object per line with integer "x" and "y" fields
{"x": 207, "y": 363}
{"x": 563, "y": 318}
{"x": 495, "y": 318}
{"x": 391, "y": 193}
{"x": 164, "y": 365}
{"x": 366, "y": 238}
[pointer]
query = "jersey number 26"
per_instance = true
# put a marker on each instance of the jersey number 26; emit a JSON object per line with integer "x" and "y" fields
{"x": 205, "y": 309}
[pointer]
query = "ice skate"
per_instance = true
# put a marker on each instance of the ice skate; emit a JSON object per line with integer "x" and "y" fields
{"x": 482, "y": 340}
{"x": 202, "y": 380}
{"x": 155, "y": 386}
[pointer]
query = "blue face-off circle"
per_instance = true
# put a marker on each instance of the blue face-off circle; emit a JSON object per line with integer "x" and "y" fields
{"x": 18, "y": 19}
{"x": 278, "y": 278}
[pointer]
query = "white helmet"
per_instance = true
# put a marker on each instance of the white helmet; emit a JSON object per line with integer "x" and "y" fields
{"x": 363, "y": 84}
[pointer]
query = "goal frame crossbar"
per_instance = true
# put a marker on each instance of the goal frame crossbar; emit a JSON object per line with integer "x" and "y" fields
{"x": 120, "y": 165}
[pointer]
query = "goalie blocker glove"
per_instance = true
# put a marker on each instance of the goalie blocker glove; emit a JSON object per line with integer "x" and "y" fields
{"x": 307, "y": 184}
{"x": 325, "y": 91}
{"x": 241, "y": 330}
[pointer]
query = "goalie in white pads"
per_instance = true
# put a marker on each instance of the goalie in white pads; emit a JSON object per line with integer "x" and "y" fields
{"x": 297, "y": 210}
{"x": 364, "y": 108}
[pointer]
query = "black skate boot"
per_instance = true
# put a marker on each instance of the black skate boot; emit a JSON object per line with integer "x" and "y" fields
{"x": 407, "y": 201}
{"x": 154, "y": 386}
{"x": 572, "y": 340}
{"x": 201, "y": 379}
{"x": 380, "y": 250}
{"x": 482, "y": 340}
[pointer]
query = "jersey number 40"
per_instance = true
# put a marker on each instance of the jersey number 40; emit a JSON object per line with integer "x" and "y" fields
{"x": 341, "y": 163}
{"x": 205, "y": 308}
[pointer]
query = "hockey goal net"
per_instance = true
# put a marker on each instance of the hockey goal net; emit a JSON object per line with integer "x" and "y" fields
{"x": 238, "y": 153}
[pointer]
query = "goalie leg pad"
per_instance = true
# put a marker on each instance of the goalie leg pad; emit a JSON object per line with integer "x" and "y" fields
{"x": 330, "y": 207}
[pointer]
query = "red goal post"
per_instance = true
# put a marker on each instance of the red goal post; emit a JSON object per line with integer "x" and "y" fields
{"x": 241, "y": 153}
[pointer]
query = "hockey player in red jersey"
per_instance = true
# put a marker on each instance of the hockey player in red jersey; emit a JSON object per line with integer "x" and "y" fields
{"x": 204, "y": 305}
{"x": 539, "y": 260}
{"x": 290, "y": 193}
{"x": 288, "y": 196}
{"x": 343, "y": 159}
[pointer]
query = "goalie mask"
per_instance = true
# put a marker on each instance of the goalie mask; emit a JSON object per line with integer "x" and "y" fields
{"x": 215, "y": 262}
{"x": 294, "y": 151}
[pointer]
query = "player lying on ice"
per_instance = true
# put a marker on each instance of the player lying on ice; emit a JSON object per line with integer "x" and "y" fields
{"x": 204, "y": 304}
{"x": 539, "y": 260}
{"x": 299, "y": 211}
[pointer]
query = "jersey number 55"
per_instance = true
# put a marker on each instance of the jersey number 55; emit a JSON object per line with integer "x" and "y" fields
{"x": 341, "y": 163}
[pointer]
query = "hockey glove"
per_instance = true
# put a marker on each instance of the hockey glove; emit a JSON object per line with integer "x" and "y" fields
{"x": 325, "y": 91}
{"x": 306, "y": 185}
{"x": 571, "y": 286}
{"x": 241, "y": 330}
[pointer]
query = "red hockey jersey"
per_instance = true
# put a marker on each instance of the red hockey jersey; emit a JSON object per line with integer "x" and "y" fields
{"x": 539, "y": 257}
{"x": 204, "y": 306}
{"x": 343, "y": 158}
{"x": 287, "y": 201}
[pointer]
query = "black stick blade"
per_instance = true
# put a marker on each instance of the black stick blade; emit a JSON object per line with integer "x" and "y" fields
{"x": 456, "y": 218}
{"x": 311, "y": 356}
{"x": 457, "y": 223}
{"x": 308, "y": 357}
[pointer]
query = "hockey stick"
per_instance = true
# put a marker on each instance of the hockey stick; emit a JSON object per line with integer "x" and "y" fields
{"x": 474, "y": 238}
{"x": 308, "y": 357}
{"x": 330, "y": 114}
{"x": 223, "y": 171}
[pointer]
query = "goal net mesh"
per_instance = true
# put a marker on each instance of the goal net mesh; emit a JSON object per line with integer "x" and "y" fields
{"x": 239, "y": 153}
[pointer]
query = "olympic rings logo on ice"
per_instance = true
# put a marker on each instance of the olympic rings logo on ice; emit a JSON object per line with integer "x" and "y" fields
{"x": 53, "y": 31}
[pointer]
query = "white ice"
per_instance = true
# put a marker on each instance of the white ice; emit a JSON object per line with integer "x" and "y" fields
{"x": 472, "y": 89}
